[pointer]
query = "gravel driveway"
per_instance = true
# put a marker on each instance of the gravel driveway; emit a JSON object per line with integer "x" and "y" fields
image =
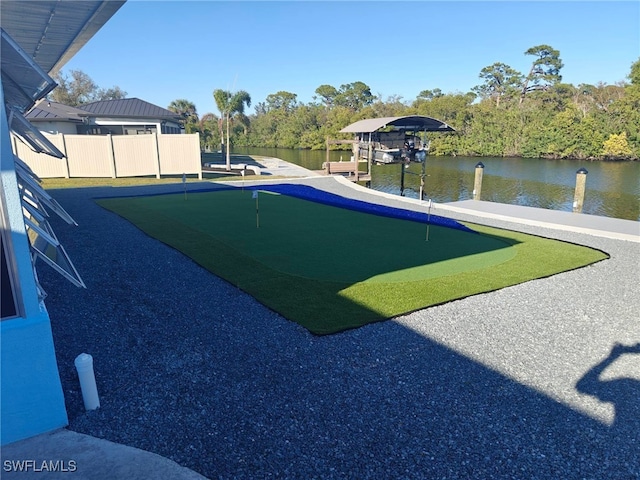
{"x": 193, "y": 369}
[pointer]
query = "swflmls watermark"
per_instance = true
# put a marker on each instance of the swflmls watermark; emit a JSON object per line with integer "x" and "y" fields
{"x": 60, "y": 466}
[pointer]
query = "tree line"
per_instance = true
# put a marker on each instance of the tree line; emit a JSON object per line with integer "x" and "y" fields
{"x": 508, "y": 114}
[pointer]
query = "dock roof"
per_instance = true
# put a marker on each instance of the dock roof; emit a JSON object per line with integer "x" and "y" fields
{"x": 410, "y": 122}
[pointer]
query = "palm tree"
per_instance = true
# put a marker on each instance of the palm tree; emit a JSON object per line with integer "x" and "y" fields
{"x": 206, "y": 126}
{"x": 230, "y": 105}
{"x": 186, "y": 109}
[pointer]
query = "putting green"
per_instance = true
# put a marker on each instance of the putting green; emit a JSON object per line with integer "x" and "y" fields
{"x": 315, "y": 241}
{"x": 330, "y": 268}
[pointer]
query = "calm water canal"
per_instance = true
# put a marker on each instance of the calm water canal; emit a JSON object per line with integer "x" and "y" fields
{"x": 613, "y": 188}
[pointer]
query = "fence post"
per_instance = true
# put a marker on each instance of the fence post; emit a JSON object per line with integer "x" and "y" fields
{"x": 112, "y": 153}
{"x": 155, "y": 134}
{"x": 199, "y": 156}
{"x": 477, "y": 184}
{"x": 581, "y": 182}
{"x": 67, "y": 172}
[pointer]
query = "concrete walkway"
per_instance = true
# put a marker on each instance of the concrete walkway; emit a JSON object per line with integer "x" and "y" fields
{"x": 599, "y": 226}
{"x": 65, "y": 453}
{"x": 268, "y": 167}
{"x": 580, "y": 223}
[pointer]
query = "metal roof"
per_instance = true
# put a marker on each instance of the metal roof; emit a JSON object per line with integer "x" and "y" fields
{"x": 128, "y": 107}
{"x": 45, "y": 111}
{"x": 412, "y": 122}
{"x": 52, "y": 31}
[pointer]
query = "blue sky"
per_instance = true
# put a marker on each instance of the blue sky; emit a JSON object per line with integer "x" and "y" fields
{"x": 160, "y": 51}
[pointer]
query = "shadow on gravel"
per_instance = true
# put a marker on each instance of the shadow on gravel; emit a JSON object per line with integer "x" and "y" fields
{"x": 190, "y": 368}
{"x": 623, "y": 393}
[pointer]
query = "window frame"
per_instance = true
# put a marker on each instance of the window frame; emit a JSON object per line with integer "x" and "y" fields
{"x": 9, "y": 268}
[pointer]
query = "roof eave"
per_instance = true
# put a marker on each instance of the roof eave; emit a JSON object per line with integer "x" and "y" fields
{"x": 101, "y": 15}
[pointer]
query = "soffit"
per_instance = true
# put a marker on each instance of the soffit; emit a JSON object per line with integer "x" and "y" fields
{"x": 51, "y": 32}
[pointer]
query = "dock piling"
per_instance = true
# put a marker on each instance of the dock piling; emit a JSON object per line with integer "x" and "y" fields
{"x": 477, "y": 184}
{"x": 581, "y": 182}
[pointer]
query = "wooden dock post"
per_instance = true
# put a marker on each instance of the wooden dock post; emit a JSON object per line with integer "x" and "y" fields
{"x": 356, "y": 159}
{"x": 581, "y": 182}
{"x": 369, "y": 160}
{"x": 477, "y": 184}
{"x": 327, "y": 150}
{"x": 423, "y": 175}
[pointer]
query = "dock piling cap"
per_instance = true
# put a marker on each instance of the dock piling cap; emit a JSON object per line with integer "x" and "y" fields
{"x": 582, "y": 171}
{"x": 480, "y": 165}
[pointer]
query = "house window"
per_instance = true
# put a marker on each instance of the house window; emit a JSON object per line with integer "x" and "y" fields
{"x": 168, "y": 129}
{"x": 10, "y": 304}
{"x": 31, "y": 136}
{"x": 44, "y": 244}
{"x": 139, "y": 129}
{"x": 95, "y": 130}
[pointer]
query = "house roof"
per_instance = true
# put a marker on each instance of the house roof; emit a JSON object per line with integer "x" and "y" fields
{"x": 411, "y": 122}
{"x": 46, "y": 111}
{"x": 128, "y": 107}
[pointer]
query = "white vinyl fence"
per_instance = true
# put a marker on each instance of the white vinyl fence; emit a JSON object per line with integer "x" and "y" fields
{"x": 114, "y": 156}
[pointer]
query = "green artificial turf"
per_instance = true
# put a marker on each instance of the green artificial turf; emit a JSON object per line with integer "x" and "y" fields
{"x": 331, "y": 269}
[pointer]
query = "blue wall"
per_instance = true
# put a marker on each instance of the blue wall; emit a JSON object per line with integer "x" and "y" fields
{"x": 31, "y": 398}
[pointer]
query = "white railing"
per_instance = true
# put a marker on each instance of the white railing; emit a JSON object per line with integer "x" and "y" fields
{"x": 114, "y": 156}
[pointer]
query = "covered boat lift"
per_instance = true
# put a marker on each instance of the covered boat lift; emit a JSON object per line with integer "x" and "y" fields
{"x": 391, "y": 140}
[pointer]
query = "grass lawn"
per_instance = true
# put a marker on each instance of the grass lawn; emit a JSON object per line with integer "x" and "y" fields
{"x": 331, "y": 269}
{"x": 59, "y": 183}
